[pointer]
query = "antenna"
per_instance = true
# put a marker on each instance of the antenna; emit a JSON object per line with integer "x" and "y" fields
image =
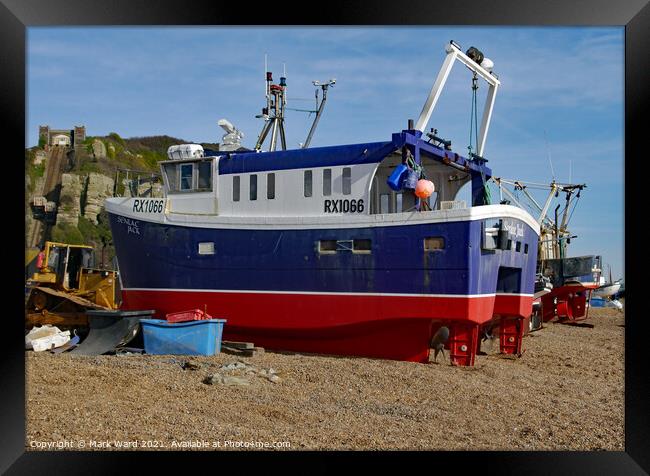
{"x": 273, "y": 113}
{"x": 324, "y": 86}
{"x": 548, "y": 153}
{"x": 284, "y": 75}
{"x": 570, "y": 171}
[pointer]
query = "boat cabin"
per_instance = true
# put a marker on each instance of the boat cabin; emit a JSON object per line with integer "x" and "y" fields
{"x": 349, "y": 179}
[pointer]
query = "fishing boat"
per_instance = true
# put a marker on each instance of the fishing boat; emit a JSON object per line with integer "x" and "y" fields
{"x": 564, "y": 283}
{"x": 608, "y": 289}
{"x": 341, "y": 249}
{"x": 597, "y": 301}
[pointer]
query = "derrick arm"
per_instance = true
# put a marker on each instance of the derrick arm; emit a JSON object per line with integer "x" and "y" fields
{"x": 453, "y": 54}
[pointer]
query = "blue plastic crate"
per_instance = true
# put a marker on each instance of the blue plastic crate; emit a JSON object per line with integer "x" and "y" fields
{"x": 182, "y": 338}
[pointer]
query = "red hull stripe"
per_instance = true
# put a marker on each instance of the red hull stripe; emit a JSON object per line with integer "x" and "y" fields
{"x": 320, "y": 310}
{"x": 382, "y": 326}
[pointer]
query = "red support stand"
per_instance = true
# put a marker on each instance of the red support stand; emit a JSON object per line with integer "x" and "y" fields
{"x": 511, "y": 334}
{"x": 463, "y": 343}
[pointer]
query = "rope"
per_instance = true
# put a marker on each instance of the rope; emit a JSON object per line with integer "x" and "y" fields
{"x": 486, "y": 190}
{"x": 473, "y": 119}
{"x": 416, "y": 167}
{"x": 473, "y": 130}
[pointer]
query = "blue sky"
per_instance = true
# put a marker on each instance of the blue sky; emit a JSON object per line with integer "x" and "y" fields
{"x": 561, "y": 95}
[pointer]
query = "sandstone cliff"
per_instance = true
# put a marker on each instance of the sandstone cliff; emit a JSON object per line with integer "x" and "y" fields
{"x": 72, "y": 186}
{"x": 98, "y": 188}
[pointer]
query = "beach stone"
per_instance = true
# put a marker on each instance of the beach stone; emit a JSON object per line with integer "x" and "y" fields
{"x": 218, "y": 379}
{"x": 235, "y": 366}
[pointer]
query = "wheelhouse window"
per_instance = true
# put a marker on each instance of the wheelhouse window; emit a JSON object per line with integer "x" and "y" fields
{"x": 195, "y": 176}
{"x": 186, "y": 176}
{"x": 253, "y": 187}
{"x": 270, "y": 186}
{"x": 205, "y": 176}
{"x": 308, "y": 183}
{"x": 347, "y": 181}
{"x": 171, "y": 171}
{"x": 327, "y": 182}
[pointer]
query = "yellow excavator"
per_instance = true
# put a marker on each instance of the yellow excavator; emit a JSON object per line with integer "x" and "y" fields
{"x": 66, "y": 285}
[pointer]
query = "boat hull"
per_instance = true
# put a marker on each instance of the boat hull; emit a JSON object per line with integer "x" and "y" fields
{"x": 607, "y": 291}
{"x": 274, "y": 288}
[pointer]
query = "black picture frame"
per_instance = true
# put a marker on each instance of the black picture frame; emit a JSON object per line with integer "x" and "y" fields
{"x": 634, "y": 15}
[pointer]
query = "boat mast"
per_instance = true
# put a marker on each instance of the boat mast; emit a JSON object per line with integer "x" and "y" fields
{"x": 555, "y": 227}
{"x": 273, "y": 113}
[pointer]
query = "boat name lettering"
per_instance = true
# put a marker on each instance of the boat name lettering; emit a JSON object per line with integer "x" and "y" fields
{"x": 344, "y": 206}
{"x": 132, "y": 226}
{"x": 148, "y": 206}
{"x": 514, "y": 229}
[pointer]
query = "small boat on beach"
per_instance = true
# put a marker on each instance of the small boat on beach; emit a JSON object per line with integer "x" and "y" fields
{"x": 608, "y": 288}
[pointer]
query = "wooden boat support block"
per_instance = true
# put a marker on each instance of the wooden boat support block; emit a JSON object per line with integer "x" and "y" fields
{"x": 242, "y": 351}
{"x": 119, "y": 313}
{"x": 239, "y": 345}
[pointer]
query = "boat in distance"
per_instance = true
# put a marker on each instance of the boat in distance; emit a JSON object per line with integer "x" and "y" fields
{"x": 336, "y": 249}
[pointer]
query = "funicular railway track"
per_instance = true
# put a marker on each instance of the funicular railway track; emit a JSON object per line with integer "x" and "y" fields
{"x": 53, "y": 172}
{"x": 34, "y": 238}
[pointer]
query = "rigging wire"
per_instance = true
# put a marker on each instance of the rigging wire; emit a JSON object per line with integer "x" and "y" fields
{"x": 548, "y": 153}
{"x": 575, "y": 204}
{"x": 473, "y": 136}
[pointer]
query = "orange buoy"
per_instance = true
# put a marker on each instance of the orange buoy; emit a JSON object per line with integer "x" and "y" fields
{"x": 424, "y": 188}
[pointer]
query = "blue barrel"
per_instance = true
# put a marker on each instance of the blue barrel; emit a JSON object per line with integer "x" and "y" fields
{"x": 410, "y": 179}
{"x": 396, "y": 178}
{"x": 182, "y": 338}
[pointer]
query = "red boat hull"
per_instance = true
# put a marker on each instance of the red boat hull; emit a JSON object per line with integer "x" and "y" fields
{"x": 337, "y": 323}
{"x": 568, "y": 302}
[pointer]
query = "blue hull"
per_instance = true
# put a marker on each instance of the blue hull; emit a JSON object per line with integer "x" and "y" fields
{"x": 162, "y": 256}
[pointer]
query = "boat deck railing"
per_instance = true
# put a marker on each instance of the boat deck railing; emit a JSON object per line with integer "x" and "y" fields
{"x": 137, "y": 183}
